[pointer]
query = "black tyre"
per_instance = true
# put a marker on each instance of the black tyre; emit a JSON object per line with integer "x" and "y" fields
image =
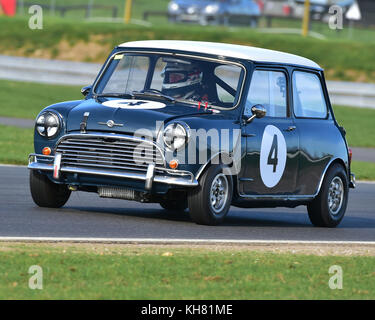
{"x": 45, "y": 193}
{"x": 328, "y": 208}
{"x": 210, "y": 202}
{"x": 174, "y": 205}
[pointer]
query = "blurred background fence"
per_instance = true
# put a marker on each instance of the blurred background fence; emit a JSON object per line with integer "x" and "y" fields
{"x": 146, "y": 9}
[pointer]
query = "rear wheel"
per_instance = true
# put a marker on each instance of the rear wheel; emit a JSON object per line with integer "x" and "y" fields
{"x": 45, "y": 193}
{"x": 329, "y": 207}
{"x": 210, "y": 202}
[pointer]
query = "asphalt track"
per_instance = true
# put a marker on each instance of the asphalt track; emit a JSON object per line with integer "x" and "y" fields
{"x": 88, "y": 216}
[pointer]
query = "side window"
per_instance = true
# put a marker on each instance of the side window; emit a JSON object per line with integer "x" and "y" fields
{"x": 230, "y": 75}
{"x": 268, "y": 88}
{"x": 308, "y": 97}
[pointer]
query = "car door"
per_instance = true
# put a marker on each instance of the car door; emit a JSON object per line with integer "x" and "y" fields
{"x": 320, "y": 138}
{"x": 270, "y": 164}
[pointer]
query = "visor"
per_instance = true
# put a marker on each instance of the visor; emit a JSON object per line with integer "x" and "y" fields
{"x": 173, "y": 77}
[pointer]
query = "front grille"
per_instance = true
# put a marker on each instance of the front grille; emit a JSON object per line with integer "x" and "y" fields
{"x": 109, "y": 153}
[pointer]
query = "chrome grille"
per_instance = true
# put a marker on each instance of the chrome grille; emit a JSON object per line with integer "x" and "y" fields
{"x": 109, "y": 153}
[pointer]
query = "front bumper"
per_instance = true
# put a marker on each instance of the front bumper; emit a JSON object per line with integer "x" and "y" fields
{"x": 176, "y": 178}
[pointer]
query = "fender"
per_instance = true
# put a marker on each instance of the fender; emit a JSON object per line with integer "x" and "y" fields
{"x": 217, "y": 155}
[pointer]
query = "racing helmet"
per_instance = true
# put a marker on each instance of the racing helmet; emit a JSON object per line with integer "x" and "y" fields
{"x": 181, "y": 79}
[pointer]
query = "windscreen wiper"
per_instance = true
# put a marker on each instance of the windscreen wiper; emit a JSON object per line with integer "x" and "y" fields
{"x": 153, "y": 93}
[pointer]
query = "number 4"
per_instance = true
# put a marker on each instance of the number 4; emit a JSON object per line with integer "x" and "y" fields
{"x": 272, "y": 157}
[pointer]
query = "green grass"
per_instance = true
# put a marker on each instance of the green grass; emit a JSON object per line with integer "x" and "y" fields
{"x": 139, "y": 6}
{"x": 338, "y": 55}
{"x": 364, "y": 170}
{"x": 15, "y": 144}
{"x": 148, "y": 273}
{"x": 359, "y": 124}
{"x": 26, "y": 100}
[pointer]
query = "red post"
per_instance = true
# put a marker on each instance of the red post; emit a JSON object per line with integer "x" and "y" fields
{"x": 9, "y": 7}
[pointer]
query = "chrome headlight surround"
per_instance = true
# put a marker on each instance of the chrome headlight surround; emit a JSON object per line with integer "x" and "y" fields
{"x": 176, "y": 135}
{"x": 48, "y": 124}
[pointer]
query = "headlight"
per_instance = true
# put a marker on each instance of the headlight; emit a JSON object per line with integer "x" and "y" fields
{"x": 48, "y": 124}
{"x": 176, "y": 135}
{"x": 211, "y": 9}
{"x": 173, "y": 6}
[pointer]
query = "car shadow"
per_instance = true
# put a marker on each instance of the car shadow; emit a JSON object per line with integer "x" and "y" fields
{"x": 252, "y": 218}
{"x": 235, "y": 219}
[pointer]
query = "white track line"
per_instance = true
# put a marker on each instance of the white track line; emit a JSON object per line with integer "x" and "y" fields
{"x": 179, "y": 241}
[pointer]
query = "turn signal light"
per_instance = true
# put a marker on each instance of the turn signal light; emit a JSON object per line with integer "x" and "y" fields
{"x": 46, "y": 151}
{"x": 350, "y": 156}
{"x": 173, "y": 164}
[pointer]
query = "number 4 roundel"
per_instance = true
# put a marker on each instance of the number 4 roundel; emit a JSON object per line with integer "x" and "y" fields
{"x": 272, "y": 156}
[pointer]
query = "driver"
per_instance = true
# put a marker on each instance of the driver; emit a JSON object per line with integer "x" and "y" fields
{"x": 183, "y": 80}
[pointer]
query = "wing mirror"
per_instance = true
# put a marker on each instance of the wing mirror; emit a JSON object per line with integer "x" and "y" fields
{"x": 85, "y": 90}
{"x": 258, "y": 112}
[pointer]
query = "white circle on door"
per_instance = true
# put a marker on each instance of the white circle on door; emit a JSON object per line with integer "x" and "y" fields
{"x": 272, "y": 156}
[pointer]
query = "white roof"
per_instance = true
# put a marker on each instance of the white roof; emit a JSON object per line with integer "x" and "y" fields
{"x": 224, "y": 49}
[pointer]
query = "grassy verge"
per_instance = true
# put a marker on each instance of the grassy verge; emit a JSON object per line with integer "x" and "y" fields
{"x": 87, "y": 41}
{"x": 364, "y": 170}
{"x": 130, "y": 273}
{"x": 15, "y": 144}
{"x": 26, "y": 100}
{"x": 359, "y": 124}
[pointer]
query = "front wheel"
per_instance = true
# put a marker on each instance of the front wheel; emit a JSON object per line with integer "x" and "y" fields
{"x": 47, "y": 194}
{"x": 328, "y": 208}
{"x": 210, "y": 202}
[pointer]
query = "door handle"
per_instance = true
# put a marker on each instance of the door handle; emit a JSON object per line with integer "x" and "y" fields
{"x": 291, "y": 128}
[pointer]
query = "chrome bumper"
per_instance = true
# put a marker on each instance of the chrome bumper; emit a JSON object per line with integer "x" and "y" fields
{"x": 172, "y": 177}
{"x": 352, "y": 183}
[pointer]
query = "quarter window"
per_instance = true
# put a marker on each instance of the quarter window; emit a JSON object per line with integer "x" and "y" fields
{"x": 230, "y": 76}
{"x": 268, "y": 88}
{"x": 308, "y": 97}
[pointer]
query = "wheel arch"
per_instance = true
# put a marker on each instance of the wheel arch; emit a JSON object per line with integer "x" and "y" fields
{"x": 216, "y": 158}
{"x": 330, "y": 165}
{"x": 207, "y": 165}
